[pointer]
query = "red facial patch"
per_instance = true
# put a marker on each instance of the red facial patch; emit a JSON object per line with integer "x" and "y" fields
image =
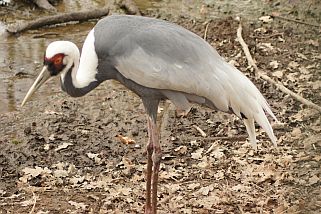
{"x": 56, "y": 59}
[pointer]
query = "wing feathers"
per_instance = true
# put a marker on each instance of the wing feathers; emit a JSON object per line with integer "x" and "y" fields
{"x": 206, "y": 75}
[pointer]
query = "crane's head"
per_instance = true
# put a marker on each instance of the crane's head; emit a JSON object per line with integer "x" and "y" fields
{"x": 59, "y": 57}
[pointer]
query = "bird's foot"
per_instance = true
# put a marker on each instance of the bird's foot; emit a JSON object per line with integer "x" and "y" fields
{"x": 182, "y": 112}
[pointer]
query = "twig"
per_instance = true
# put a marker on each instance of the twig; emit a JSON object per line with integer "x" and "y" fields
{"x": 206, "y": 29}
{"x": 262, "y": 75}
{"x": 294, "y": 20}
{"x": 58, "y": 19}
{"x": 200, "y": 130}
{"x": 223, "y": 138}
{"x": 34, "y": 203}
{"x": 268, "y": 36}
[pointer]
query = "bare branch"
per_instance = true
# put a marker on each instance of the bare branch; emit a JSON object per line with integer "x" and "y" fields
{"x": 57, "y": 19}
{"x": 262, "y": 74}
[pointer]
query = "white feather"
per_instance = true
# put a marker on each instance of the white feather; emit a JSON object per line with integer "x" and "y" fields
{"x": 87, "y": 66}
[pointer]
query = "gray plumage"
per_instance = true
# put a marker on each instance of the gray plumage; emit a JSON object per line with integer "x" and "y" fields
{"x": 147, "y": 54}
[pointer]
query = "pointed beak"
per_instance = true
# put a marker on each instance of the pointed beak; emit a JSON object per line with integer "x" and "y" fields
{"x": 41, "y": 79}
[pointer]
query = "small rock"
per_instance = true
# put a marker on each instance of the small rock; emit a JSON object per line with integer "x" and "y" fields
{"x": 27, "y": 130}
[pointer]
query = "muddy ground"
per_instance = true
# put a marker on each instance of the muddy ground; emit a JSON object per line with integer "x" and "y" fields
{"x": 61, "y": 155}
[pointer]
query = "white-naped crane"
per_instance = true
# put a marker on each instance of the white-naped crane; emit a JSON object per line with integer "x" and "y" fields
{"x": 157, "y": 60}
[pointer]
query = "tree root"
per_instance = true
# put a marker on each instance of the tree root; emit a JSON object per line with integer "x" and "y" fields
{"x": 262, "y": 74}
{"x": 57, "y": 19}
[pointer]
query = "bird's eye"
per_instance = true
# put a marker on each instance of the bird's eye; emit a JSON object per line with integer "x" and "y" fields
{"x": 58, "y": 60}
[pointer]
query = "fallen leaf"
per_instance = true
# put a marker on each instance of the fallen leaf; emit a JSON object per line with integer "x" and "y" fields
{"x": 125, "y": 191}
{"x": 265, "y": 46}
{"x": 77, "y": 180}
{"x": 296, "y": 133}
{"x": 217, "y": 153}
{"x": 125, "y": 140}
{"x": 181, "y": 149}
{"x": 46, "y": 147}
{"x": 63, "y": 146}
{"x": 274, "y": 64}
{"x": 198, "y": 154}
{"x": 50, "y": 112}
{"x": 193, "y": 186}
{"x": 304, "y": 70}
{"x": 312, "y": 42}
{"x": 60, "y": 173}
{"x": 293, "y": 65}
{"x": 29, "y": 202}
{"x": 34, "y": 172}
{"x": 316, "y": 85}
{"x": 78, "y": 205}
{"x": 205, "y": 190}
{"x": 261, "y": 30}
{"x": 266, "y": 19}
{"x": 314, "y": 179}
{"x": 241, "y": 188}
{"x": 94, "y": 157}
{"x": 291, "y": 77}
{"x": 302, "y": 56}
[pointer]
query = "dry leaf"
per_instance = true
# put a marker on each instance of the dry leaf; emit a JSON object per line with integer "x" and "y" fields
{"x": 198, "y": 154}
{"x": 302, "y": 56}
{"x": 205, "y": 190}
{"x": 125, "y": 140}
{"x": 29, "y": 202}
{"x": 63, "y": 146}
{"x": 50, "y": 112}
{"x": 312, "y": 42}
{"x": 60, "y": 173}
{"x": 193, "y": 186}
{"x": 181, "y": 149}
{"x": 314, "y": 179}
{"x": 265, "y": 46}
{"x": 46, "y": 147}
{"x": 291, "y": 77}
{"x": 316, "y": 85}
{"x": 266, "y": 19}
{"x": 125, "y": 191}
{"x": 261, "y": 30}
{"x": 293, "y": 65}
{"x": 78, "y": 205}
{"x": 94, "y": 157}
{"x": 274, "y": 64}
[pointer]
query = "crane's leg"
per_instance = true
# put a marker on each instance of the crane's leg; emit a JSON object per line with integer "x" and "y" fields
{"x": 156, "y": 158}
{"x": 148, "y": 208}
{"x": 153, "y": 164}
{"x": 151, "y": 106}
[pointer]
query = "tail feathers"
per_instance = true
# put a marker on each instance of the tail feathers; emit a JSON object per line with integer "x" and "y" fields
{"x": 250, "y": 128}
{"x": 262, "y": 120}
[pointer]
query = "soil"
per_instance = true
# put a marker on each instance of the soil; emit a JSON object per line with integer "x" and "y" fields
{"x": 61, "y": 155}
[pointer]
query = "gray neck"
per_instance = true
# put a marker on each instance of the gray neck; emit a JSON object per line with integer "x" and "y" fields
{"x": 68, "y": 86}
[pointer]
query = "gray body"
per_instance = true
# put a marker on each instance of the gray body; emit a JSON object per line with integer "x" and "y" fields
{"x": 119, "y": 36}
{"x": 160, "y": 60}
